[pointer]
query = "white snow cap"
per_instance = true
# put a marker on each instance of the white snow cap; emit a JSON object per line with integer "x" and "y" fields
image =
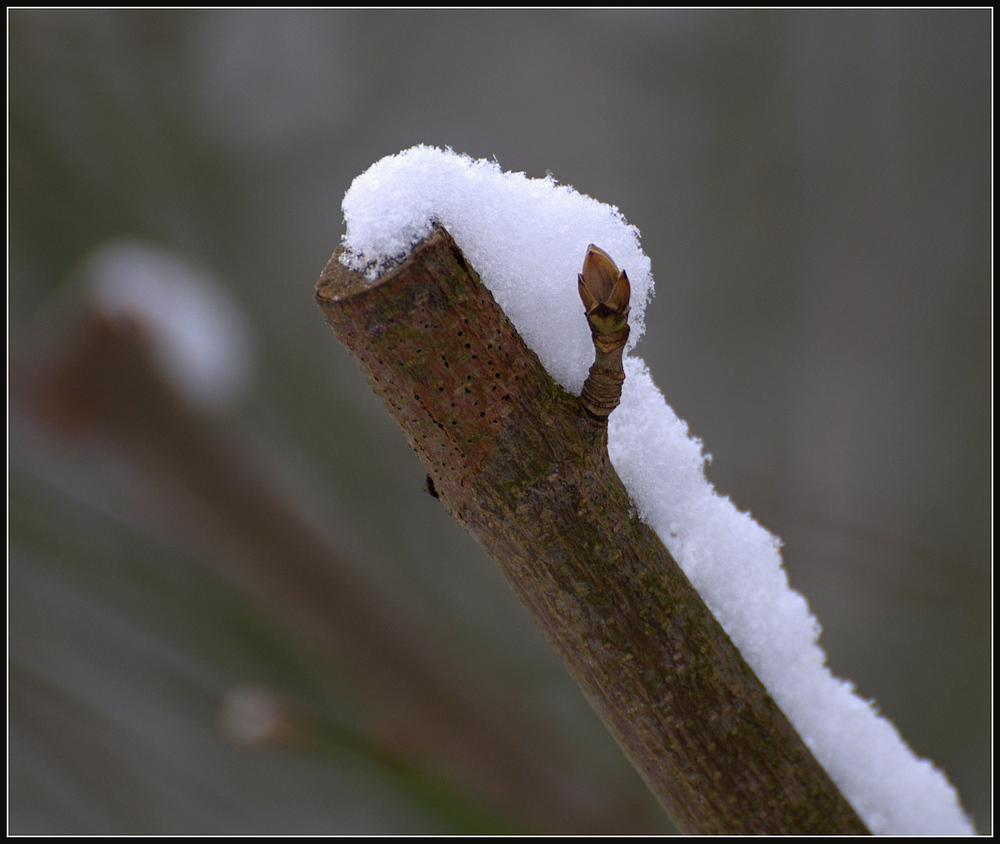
{"x": 526, "y": 238}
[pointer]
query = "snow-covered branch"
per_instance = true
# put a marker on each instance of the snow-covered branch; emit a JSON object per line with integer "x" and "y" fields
{"x": 525, "y": 238}
{"x": 524, "y": 467}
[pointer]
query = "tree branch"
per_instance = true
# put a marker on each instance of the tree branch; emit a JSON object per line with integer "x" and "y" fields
{"x": 524, "y": 467}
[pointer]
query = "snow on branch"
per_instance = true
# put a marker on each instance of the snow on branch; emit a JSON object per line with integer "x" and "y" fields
{"x": 526, "y": 239}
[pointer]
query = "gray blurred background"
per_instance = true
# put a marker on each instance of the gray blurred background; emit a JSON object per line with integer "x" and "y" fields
{"x": 814, "y": 191}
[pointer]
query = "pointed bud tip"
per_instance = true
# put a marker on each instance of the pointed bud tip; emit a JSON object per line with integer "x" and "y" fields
{"x": 599, "y": 273}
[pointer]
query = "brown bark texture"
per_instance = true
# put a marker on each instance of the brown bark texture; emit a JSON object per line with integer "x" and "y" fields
{"x": 524, "y": 468}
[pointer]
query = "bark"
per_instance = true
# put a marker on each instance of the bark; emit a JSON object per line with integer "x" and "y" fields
{"x": 524, "y": 467}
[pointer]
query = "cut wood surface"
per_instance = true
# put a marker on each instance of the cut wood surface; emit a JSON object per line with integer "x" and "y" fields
{"x": 524, "y": 468}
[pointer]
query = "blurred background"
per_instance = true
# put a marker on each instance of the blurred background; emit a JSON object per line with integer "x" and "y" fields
{"x": 232, "y": 607}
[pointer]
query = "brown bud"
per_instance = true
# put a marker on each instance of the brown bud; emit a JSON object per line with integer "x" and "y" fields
{"x": 604, "y": 291}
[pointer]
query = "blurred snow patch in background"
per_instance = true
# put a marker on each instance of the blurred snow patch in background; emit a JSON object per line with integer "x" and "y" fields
{"x": 199, "y": 337}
